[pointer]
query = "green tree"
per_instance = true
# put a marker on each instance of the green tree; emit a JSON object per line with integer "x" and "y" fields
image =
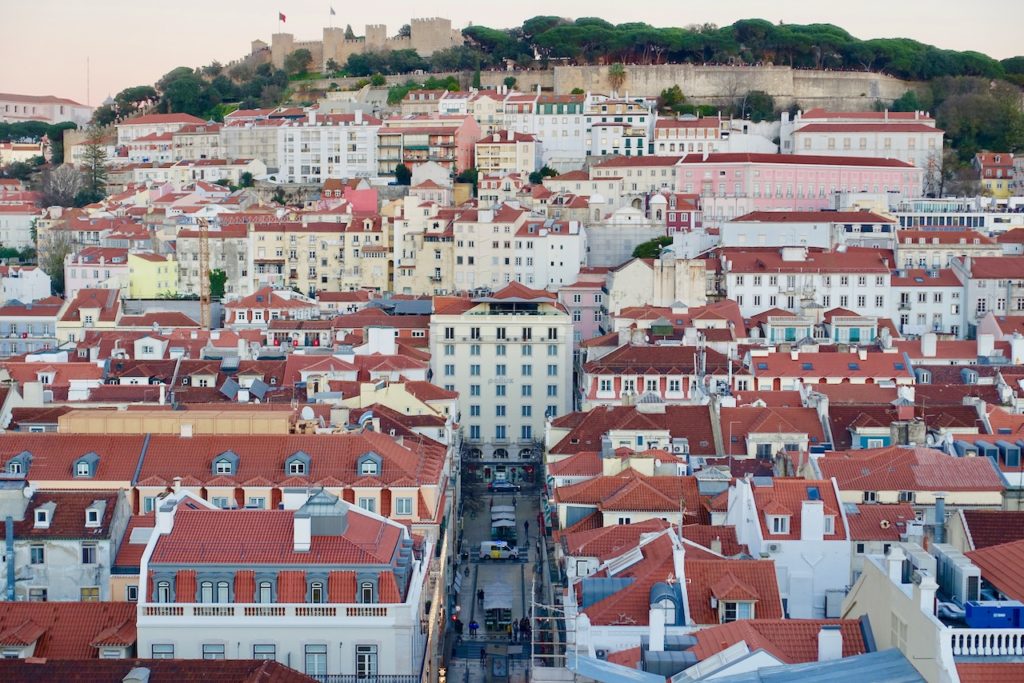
{"x": 377, "y": 80}
{"x": 671, "y": 99}
{"x": 405, "y": 31}
{"x": 616, "y": 76}
{"x": 651, "y": 248}
{"x": 18, "y": 170}
{"x": 349, "y": 33}
{"x": 403, "y": 176}
{"x": 471, "y": 176}
{"x": 510, "y": 82}
{"x": 58, "y": 246}
{"x": 578, "y": 91}
{"x": 94, "y": 163}
{"x": 104, "y": 115}
{"x": 332, "y": 66}
{"x": 298, "y": 61}
{"x": 61, "y": 186}
{"x": 217, "y": 280}
{"x": 756, "y": 105}
{"x": 537, "y": 177}
{"x": 278, "y": 196}
{"x": 55, "y": 134}
{"x": 246, "y": 179}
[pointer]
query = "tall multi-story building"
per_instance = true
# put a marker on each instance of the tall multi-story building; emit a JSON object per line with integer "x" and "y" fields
{"x": 326, "y": 146}
{"x": 509, "y": 357}
{"x": 506, "y": 152}
{"x": 414, "y": 140}
{"x": 620, "y": 127}
{"x": 14, "y": 108}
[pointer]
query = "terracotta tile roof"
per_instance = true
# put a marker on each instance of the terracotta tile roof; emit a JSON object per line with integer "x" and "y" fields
{"x": 64, "y": 630}
{"x": 1000, "y": 566}
{"x": 952, "y": 394}
{"x": 586, "y": 430}
{"x": 996, "y": 267}
{"x": 987, "y": 528}
{"x": 332, "y": 457}
{"x": 785, "y": 496}
{"x": 772, "y": 399}
{"x": 876, "y": 365}
{"x": 707, "y": 534}
{"x": 791, "y": 640}
{"x": 582, "y": 464}
{"x": 908, "y": 469}
{"x": 67, "y": 521}
{"x": 857, "y": 393}
{"x": 990, "y": 672}
{"x": 36, "y": 416}
{"x": 820, "y": 113}
{"x": 740, "y": 423}
{"x": 106, "y": 300}
{"x": 607, "y": 542}
{"x": 202, "y": 537}
{"x": 129, "y": 553}
{"x": 879, "y": 522}
{"x": 858, "y": 260}
{"x": 62, "y": 373}
{"x": 873, "y": 127}
{"x": 151, "y": 119}
{"x": 732, "y": 580}
{"x": 645, "y": 161}
{"x": 516, "y": 290}
{"x": 653, "y": 360}
{"x": 161, "y": 318}
{"x": 919, "y": 277}
{"x": 843, "y": 418}
{"x": 160, "y": 671}
{"x": 791, "y": 159}
{"x": 54, "y": 455}
{"x": 632, "y": 491}
{"x": 812, "y": 217}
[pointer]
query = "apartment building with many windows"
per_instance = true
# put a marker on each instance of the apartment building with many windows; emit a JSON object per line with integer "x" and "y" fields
{"x": 509, "y": 357}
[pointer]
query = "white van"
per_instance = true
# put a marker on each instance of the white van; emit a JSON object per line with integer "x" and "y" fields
{"x": 498, "y": 550}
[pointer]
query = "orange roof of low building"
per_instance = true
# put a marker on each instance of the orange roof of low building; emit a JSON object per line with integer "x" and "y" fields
{"x": 1000, "y": 566}
{"x": 66, "y": 630}
{"x": 897, "y": 468}
{"x": 791, "y": 640}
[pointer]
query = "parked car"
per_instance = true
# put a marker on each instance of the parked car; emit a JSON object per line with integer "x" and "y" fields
{"x": 498, "y": 550}
{"x": 502, "y": 486}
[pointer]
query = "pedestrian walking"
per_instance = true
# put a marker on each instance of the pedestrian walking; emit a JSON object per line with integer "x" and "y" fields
{"x": 508, "y": 632}
{"x": 473, "y": 627}
{"x": 483, "y": 657}
{"x": 480, "y": 596}
{"x": 526, "y": 529}
{"x": 515, "y": 631}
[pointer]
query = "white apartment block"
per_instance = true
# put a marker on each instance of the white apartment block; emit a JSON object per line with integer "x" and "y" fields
{"x": 927, "y": 301}
{"x": 557, "y": 120}
{"x": 794, "y": 279}
{"x": 991, "y": 284}
{"x": 506, "y": 152}
{"x": 619, "y": 127}
{"x": 509, "y": 357}
{"x": 327, "y": 146}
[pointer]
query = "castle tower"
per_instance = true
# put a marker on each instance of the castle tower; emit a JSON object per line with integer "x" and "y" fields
{"x": 376, "y": 36}
{"x": 334, "y": 38}
{"x": 281, "y": 45}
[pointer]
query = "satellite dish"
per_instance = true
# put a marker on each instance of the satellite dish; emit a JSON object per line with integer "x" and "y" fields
{"x": 885, "y": 524}
{"x": 657, "y": 462}
{"x": 28, "y": 492}
{"x": 307, "y": 413}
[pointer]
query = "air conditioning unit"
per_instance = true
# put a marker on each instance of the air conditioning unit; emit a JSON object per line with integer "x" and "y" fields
{"x": 774, "y": 547}
{"x": 601, "y": 654}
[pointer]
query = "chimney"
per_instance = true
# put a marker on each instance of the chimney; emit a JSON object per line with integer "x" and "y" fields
{"x": 812, "y": 520}
{"x": 716, "y": 545}
{"x": 986, "y": 344}
{"x": 862, "y": 353}
{"x": 359, "y": 117}
{"x": 924, "y": 594}
{"x": 894, "y": 564}
{"x": 185, "y": 430}
{"x": 929, "y": 343}
{"x": 163, "y": 394}
{"x": 138, "y": 674}
{"x": 657, "y": 624}
{"x": 303, "y": 532}
{"x": 794, "y": 354}
{"x": 830, "y": 643}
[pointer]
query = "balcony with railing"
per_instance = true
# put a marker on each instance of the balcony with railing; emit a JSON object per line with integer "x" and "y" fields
{"x": 369, "y": 613}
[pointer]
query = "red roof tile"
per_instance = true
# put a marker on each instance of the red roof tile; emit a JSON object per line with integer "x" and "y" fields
{"x": 987, "y": 528}
{"x": 791, "y": 640}
{"x": 908, "y": 469}
{"x": 879, "y": 522}
{"x": 65, "y": 630}
{"x": 739, "y": 423}
{"x": 632, "y": 491}
{"x": 67, "y": 521}
{"x": 990, "y": 672}
{"x": 201, "y": 537}
{"x": 785, "y": 496}
{"x": 791, "y": 159}
{"x": 996, "y": 267}
{"x": 859, "y": 260}
{"x": 812, "y": 217}
{"x": 54, "y": 455}
{"x": 1000, "y": 566}
{"x": 691, "y": 422}
{"x": 160, "y": 671}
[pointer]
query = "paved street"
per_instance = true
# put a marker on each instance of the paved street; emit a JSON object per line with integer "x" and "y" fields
{"x": 511, "y": 578}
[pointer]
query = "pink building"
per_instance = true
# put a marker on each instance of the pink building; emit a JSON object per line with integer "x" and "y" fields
{"x": 96, "y": 268}
{"x": 733, "y": 184}
{"x": 414, "y": 140}
{"x": 585, "y": 301}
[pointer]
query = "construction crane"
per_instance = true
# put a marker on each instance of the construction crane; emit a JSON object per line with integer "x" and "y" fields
{"x": 204, "y": 273}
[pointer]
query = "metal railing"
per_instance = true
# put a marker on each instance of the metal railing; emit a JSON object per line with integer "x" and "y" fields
{"x": 353, "y": 678}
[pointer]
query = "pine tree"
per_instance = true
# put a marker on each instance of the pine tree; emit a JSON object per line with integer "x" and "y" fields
{"x": 94, "y": 163}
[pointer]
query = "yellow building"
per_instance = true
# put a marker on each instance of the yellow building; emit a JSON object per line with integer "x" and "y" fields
{"x": 151, "y": 275}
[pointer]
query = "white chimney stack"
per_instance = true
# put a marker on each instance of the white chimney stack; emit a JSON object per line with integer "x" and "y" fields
{"x": 929, "y": 344}
{"x": 830, "y": 643}
{"x": 924, "y": 594}
{"x": 657, "y": 621}
{"x": 894, "y": 564}
{"x": 986, "y": 344}
{"x": 303, "y": 532}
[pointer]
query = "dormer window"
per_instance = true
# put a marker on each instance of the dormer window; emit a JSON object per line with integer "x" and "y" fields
{"x": 778, "y": 524}
{"x": 14, "y": 467}
{"x": 43, "y": 515}
{"x": 735, "y": 611}
{"x": 226, "y": 463}
{"x": 92, "y": 517}
{"x": 297, "y": 463}
{"x": 368, "y": 467}
{"x": 86, "y": 465}
{"x": 830, "y": 524}
{"x": 366, "y": 592}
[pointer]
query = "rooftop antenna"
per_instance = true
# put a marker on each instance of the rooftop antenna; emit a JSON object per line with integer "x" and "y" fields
{"x": 88, "y": 90}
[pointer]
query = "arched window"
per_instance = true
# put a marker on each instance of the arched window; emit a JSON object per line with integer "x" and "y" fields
{"x": 82, "y": 469}
{"x": 264, "y": 592}
{"x": 223, "y": 467}
{"x": 223, "y": 592}
{"x": 163, "y": 591}
{"x": 296, "y": 467}
{"x": 14, "y": 467}
{"x": 316, "y": 592}
{"x": 366, "y": 591}
{"x": 206, "y": 591}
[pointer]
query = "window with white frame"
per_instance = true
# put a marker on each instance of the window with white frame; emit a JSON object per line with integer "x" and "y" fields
{"x": 778, "y": 524}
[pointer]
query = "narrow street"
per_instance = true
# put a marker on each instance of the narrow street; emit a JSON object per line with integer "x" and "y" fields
{"x": 506, "y": 586}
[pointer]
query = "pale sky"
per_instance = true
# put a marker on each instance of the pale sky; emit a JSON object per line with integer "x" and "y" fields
{"x": 44, "y": 43}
